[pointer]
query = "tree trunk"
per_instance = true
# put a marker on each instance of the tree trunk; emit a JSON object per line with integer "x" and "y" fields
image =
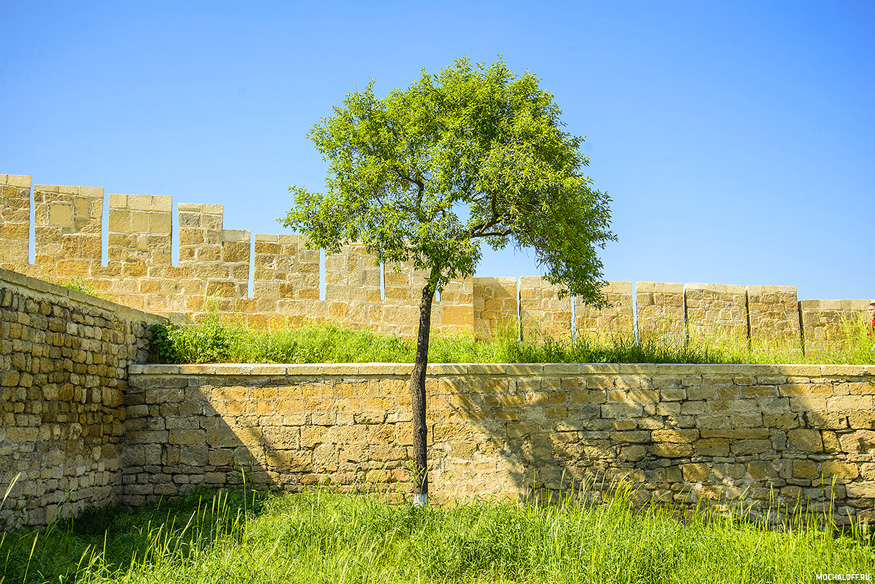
{"x": 417, "y": 394}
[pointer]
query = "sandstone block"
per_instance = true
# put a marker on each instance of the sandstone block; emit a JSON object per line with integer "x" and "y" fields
{"x": 831, "y": 442}
{"x": 781, "y": 421}
{"x": 859, "y": 442}
{"x": 744, "y": 447}
{"x": 805, "y": 469}
{"x": 671, "y": 450}
{"x": 712, "y": 447}
{"x": 675, "y": 435}
{"x": 863, "y": 489}
{"x": 673, "y": 394}
{"x": 805, "y": 440}
{"x": 695, "y": 473}
{"x": 761, "y": 470}
{"x": 841, "y": 470}
{"x": 221, "y": 457}
{"x": 621, "y": 410}
{"x": 633, "y": 453}
{"x": 187, "y": 437}
{"x": 622, "y": 425}
{"x": 147, "y": 437}
{"x": 222, "y": 437}
{"x": 635, "y": 437}
{"x": 862, "y": 420}
{"x": 848, "y": 403}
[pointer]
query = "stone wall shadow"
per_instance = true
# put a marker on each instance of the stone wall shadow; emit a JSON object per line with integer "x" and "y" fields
{"x": 758, "y": 439}
{"x": 176, "y": 440}
{"x": 266, "y": 429}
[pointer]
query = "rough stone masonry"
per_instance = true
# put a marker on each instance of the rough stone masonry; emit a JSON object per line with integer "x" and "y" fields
{"x": 768, "y": 437}
{"x": 213, "y": 272}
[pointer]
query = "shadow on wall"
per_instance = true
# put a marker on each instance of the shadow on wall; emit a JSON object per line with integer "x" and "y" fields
{"x": 763, "y": 436}
{"x": 63, "y": 369}
{"x": 176, "y": 440}
{"x": 215, "y": 431}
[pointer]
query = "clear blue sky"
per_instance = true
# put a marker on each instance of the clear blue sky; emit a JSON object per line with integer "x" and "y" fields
{"x": 736, "y": 139}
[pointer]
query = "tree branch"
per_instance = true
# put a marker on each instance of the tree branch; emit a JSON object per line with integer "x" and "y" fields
{"x": 506, "y": 232}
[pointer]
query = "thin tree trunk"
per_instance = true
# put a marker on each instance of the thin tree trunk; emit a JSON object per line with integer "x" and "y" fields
{"x": 417, "y": 394}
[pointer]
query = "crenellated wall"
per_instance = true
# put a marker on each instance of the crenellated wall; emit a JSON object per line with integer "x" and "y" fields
{"x": 660, "y": 310}
{"x": 14, "y": 219}
{"x": 542, "y": 312}
{"x": 217, "y": 265}
{"x": 616, "y": 320}
{"x": 495, "y": 306}
{"x": 822, "y": 320}
{"x": 773, "y": 315}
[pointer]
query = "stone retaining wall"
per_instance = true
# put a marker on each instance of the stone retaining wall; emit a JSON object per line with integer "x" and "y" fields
{"x": 767, "y": 436}
{"x": 63, "y": 375}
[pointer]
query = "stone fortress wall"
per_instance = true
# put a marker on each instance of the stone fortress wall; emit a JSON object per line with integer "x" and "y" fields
{"x": 85, "y": 423}
{"x": 213, "y": 269}
{"x": 64, "y": 359}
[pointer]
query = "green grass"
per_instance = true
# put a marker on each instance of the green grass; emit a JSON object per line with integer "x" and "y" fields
{"x": 81, "y": 285}
{"x": 212, "y": 341}
{"x": 322, "y": 536}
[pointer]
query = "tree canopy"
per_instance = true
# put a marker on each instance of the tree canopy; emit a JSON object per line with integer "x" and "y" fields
{"x": 472, "y": 154}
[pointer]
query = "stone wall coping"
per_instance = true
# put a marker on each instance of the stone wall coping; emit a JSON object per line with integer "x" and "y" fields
{"x": 843, "y": 304}
{"x": 42, "y": 287}
{"x": 16, "y": 180}
{"x": 510, "y": 369}
{"x": 235, "y": 234}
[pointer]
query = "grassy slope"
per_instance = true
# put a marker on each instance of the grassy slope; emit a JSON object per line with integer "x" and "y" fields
{"x": 319, "y": 536}
{"x": 211, "y": 341}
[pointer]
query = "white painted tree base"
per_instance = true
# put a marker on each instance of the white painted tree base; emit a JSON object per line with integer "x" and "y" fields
{"x": 420, "y": 500}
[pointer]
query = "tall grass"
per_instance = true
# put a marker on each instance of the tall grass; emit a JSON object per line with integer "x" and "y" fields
{"x": 211, "y": 340}
{"x": 850, "y": 342}
{"x": 322, "y": 536}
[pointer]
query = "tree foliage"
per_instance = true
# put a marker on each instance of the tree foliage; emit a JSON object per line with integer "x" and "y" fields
{"x": 472, "y": 154}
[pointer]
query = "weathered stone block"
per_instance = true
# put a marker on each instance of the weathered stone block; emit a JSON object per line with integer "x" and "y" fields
{"x": 186, "y": 437}
{"x": 671, "y": 450}
{"x": 841, "y": 470}
{"x": 805, "y": 440}
{"x": 859, "y": 442}
{"x": 805, "y": 469}
{"x": 695, "y": 473}
{"x": 745, "y": 447}
{"x": 675, "y": 435}
{"x": 863, "y": 489}
{"x": 712, "y": 447}
{"x": 761, "y": 470}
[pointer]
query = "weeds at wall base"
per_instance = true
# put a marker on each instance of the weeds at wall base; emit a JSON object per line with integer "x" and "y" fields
{"x": 322, "y": 535}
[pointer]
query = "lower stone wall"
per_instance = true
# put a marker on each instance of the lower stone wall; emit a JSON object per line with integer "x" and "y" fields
{"x": 767, "y": 436}
{"x": 63, "y": 373}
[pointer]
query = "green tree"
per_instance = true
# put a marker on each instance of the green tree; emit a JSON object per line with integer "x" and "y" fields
{"x": 473, "y": 154}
